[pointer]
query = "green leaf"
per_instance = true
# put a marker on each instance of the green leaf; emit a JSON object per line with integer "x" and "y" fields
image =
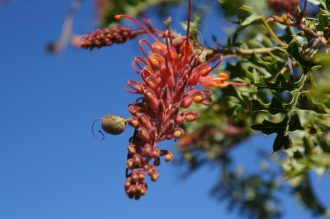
{"x": 294, "y": 123}
{"x": 229, "y": 7}
{"x": 259, "y": 106}
{"x": 276, "y": 106}
{"x": 293, "y": 50}
{"x": 316, "y": 67}
{"x": 306, "y": 102}
{"x": 250, "y": 20}
{"x": 268, "y": 127}
{"x": 278, "y": 143}
{"x": 324, "y": 20}
{"x": 282, "y": 141}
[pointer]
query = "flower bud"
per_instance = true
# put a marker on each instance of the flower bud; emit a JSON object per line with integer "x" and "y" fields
{"x": 142, "y": 189}
{"x": 131, "y": 149}
{"x": 179, "y": 119}
{"x": 151, "y": 169}
{"x": 186, "y": 102}
{"x": 191, "y": 116}
{"x": 155, "y": 153}
{"x": 143, "y": 134}
{"x": 198, "y": 99}
{"x": 147, "y": 150}
{"x": 178, "y": 132}
{"x": 113, "y": 124}
{"x": 133, "y": 109}
{"x": 137, "y": 160}
{"x": 130, "y": 191}
{"x": 154, "y": 176}
{"x": 168, "y": 157}
{"x": 128, "y": 183}
{"x": 144, "y": 120}
{"x": 135, "y": 178}
{"x": 141, "y": 176}
{"x": 129, "y": 163}
{"x": 134, "y": 122}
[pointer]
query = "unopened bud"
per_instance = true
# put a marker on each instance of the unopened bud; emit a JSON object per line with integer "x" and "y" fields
{"x": 134, "y": 122}
{"x": 131, "y": 149}
{"x": 113, "y": 124}
{"x": 147, "y": 150}
{"x": 143, "y": 190}
{"x": 141, "y": 176}
{"x": 129, "y": 163}
{"x": 143, "y": 133}
{"x": 191, "y": 116}
{"x": 155, "y": 153}
{"x": 128, "y": 184}
{"x": 179, "y": 119}
{"x": 178, "y": 132}
{"x": 135, "y": 178}
{"x": 151, "y": 169}
{"x": 137, "y": 160}
{"x": 168, "y": 157}
{"x": 155, "y": 176}
{"x": 198, "y": 99}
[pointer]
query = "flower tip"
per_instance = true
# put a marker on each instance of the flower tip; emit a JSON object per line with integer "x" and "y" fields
{"x": 118, "y": 16}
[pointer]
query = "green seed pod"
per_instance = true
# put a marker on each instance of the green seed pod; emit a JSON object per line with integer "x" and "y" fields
{"x": 113, "y": 124}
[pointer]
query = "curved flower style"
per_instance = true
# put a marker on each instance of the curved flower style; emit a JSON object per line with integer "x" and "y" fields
{"x": 170, "y": 72}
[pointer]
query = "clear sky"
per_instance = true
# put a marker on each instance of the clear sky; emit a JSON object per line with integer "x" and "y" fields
{"x": 50, "y": 165}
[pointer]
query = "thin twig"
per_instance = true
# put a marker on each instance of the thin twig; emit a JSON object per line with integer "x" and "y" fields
{"x": 271, "y": 32}
{"x": 67, "y": 28}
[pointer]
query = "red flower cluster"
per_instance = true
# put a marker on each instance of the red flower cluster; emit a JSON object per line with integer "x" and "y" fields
{"x": 170, "y": 72}
{"x": 287, "y": 6}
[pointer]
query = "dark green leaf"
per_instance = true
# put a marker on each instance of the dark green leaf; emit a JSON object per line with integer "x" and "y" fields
{"x": 268, "y": 127}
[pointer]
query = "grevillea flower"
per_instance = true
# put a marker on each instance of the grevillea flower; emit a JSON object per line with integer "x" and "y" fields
{"x": 169, "y": 71}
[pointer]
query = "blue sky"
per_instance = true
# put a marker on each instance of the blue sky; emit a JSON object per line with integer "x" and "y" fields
{"x": 50, "y": 165}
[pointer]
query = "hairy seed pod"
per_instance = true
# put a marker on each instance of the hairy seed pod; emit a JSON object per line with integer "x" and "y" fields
{"x": 113, "y": 124}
